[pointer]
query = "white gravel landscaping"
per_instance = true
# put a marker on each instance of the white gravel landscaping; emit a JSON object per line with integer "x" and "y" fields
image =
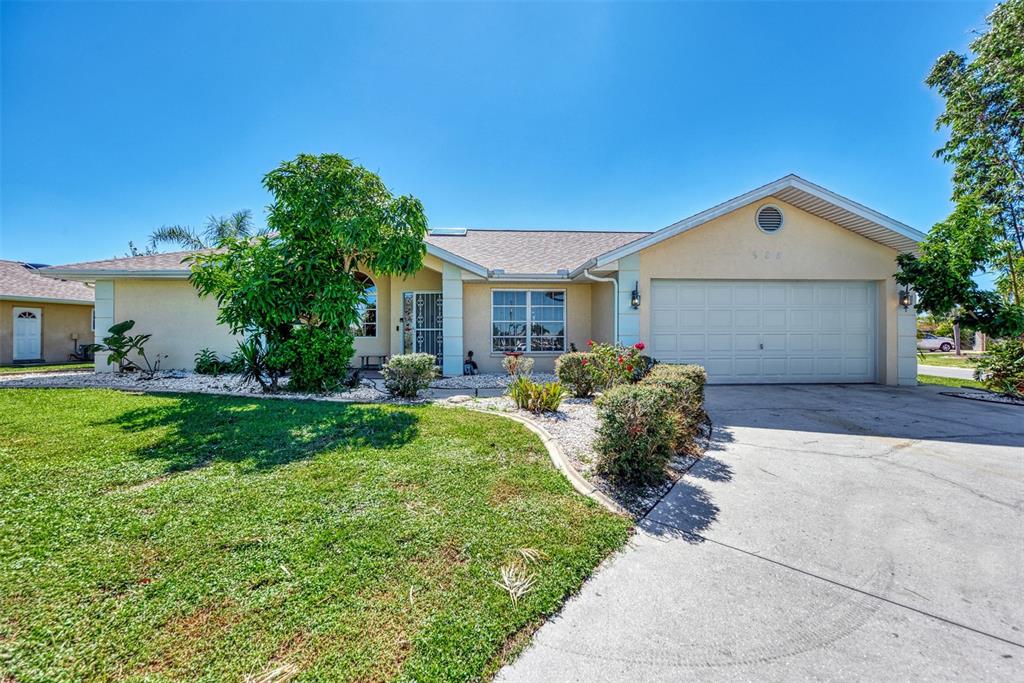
{"x": 486, "y": 381}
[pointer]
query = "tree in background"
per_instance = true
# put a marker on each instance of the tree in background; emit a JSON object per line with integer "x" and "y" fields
{"x": 218, "y": 229}
{"x": 984, "y": 114}
{"x": 294, "y": 292}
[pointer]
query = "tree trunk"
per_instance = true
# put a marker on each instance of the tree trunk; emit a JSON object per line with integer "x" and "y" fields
{"x": 956, "y": 338}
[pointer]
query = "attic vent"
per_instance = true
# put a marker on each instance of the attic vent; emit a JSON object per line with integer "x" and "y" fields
{"x": 769, "y": 218}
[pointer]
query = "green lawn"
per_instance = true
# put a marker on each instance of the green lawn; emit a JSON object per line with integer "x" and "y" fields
{"x": 210, "y": 538}
{"x": 19, "y": 369}
{"x": 949, "y": 381}
{"x": 947, "y": 360}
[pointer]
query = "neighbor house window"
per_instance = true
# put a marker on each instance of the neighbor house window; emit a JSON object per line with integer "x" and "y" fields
{"x": 531, "y": 321}
{"x": 367, "y": 326}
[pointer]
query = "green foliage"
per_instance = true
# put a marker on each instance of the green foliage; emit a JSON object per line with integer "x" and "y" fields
{"x": 329, "y": 219}
{"x": 517, "y": 366}
{"x": 984, "y": 115}
{"x": 218, "y": 228}
{"x": 686, "y": 384}
{"x": 121, "y": 346}
{"x": 252, "y": 363}
{"x": 574, "y": 372}
{"x": 405, "y": 375}
{"x": 209, "y": 363}
{"x": 537, "y": 397}
{"x": 636, "y": 433}
{"x": 612, "y": 364}
{"x": 1002, "y": 367}
{"x": 318, "y": 359}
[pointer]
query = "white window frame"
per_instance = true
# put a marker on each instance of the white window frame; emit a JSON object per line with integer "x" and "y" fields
{"x": 376, "y": 311}
{"x": 529, "y": 333}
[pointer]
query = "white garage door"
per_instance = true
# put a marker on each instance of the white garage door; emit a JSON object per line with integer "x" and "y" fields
{"x": 760, "y": 331}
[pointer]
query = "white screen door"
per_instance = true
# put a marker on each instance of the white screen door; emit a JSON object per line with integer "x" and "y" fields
{"x": 28, "y": 337}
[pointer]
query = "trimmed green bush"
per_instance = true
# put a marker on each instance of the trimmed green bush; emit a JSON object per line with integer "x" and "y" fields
{"x": 686, "y": 384}
{"x": 535, "y": 396}
{"x": 573, "y": 370}
{"x": 636, "y": 434}
{"x": 405, "y": 375}
{"x": 1002, "y": 367}
{"x": 318, "y": 359}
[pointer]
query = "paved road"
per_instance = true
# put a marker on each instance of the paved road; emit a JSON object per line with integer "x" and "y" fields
{"x": 833, "y": 532}
{"x": 941, "y": 371}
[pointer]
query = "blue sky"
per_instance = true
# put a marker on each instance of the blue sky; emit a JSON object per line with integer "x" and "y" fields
{"x": 118, "y": 118}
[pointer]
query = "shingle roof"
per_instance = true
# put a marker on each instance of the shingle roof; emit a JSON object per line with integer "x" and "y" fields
{"x": 24, "y": 282}
{"x": 532, "y": 251}
{"x": 167, "y": 262}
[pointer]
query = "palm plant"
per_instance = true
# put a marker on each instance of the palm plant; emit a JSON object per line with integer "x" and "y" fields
{"x": 218, "y": 228}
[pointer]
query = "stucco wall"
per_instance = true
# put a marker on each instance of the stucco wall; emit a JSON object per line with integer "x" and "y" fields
{"x": 602, "y": 311}
{"x": 476, "y": 306}
{"x": 181, "y": 323}
{"x": 59, "y": 322}
{"x": 806, "y": 248}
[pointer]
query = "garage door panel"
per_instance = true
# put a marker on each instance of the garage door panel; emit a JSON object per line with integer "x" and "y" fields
{"x": 750, "y": 331}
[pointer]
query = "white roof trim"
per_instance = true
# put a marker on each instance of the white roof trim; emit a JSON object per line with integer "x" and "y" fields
{"x": 901, "y": 234}
{"x": 46, "y": 300}
{"x": 100, "y": 274}
{"x": 451, "y": 258}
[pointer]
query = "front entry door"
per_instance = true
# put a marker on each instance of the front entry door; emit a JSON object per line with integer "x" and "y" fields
{"x": 28, "y": 337}
{"x": 422, "y": 313}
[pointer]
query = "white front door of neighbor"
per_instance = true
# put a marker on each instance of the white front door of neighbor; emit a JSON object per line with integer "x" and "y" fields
{"x": 757, "y": 331}
{"x": 28, "y": 333}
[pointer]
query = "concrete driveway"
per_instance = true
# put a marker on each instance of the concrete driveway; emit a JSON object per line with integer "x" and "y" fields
{"x": 833, "y": 532}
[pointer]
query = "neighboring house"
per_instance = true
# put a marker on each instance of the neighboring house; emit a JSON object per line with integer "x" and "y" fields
{"x": 787, "y": 283}
{"x": 42, "y": 320}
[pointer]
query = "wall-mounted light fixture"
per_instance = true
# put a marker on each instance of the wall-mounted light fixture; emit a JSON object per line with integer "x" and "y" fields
{"x": 906, "y": 299}
{"x": 634, "y": 299}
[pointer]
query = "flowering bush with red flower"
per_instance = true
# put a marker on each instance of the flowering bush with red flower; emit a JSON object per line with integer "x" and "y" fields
{"x": 604, "y": 366}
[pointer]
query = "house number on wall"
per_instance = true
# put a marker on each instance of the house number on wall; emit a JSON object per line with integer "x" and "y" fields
{"x": 766, "y": 255}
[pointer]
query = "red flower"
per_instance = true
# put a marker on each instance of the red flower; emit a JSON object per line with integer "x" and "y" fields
{"x": 629, "y": 368}
{"x": 590, "y": 342}
{"x": 639, "y": 346}
{"x": 585, "y": 361}
{"x": 620, "y": 359}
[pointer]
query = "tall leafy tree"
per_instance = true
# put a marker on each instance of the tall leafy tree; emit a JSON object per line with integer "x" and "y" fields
{"x": 218, "y": 228}
{"x": 295, "y": 288}
{"x": 984, "y": 114}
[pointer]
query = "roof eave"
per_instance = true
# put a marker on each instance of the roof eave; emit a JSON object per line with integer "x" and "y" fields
{"x": 459, "y": 261}
{"x": 93, "y": 275}
{"x": 46, "y": 300}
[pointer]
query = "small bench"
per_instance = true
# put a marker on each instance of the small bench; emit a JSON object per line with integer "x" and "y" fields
{"x": 373, "y": 361}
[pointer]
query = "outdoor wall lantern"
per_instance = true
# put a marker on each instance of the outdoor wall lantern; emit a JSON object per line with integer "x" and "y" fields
{"x": 906, "y": 299}
{"x": 634, "y": 299}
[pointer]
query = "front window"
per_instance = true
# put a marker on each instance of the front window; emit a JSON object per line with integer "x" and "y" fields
{"x": 531, "y": 321}
{"x": 367, "y": 326}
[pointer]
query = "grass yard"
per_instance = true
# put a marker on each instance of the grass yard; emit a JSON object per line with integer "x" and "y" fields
{"x": 20, "y": 369}
{"x": 948, "y": 360}
{"x": 213, "y": 538}
{"x": 950, "y": 381}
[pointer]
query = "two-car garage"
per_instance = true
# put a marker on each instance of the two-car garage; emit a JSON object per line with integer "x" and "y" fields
{"x": 767, "y": 331}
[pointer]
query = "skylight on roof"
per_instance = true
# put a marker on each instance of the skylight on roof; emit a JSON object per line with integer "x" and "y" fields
{"x": 453, "y": 232}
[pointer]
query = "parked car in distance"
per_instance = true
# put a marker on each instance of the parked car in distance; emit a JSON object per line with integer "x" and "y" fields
{"x": 929, "y": 342}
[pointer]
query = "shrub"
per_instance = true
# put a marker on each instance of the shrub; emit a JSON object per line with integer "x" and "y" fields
{"x": 686, "y": 384}
{"x": 1002, "y": 367}
{"x": 252, "y": 363}
{"x": 120, "y": 345}
{"x": 574, "y": 371}
{"x": 318, "y": 359}
{"x": 611, "y": 364}
{"x": 636, "y": 433}
{"x": 405, "y": 375}
{"x": 535, "y": 396}
{"x": 209, "y": 363}
{"x": 517, "y": 366}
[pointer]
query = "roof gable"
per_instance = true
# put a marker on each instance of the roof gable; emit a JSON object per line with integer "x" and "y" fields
{"x": 20, "y": 281}
{"x": 802, "y": 194}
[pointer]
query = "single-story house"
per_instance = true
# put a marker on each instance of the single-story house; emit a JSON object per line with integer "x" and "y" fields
{"x": 42, "y": 319}
{"x": 789, "y": 282}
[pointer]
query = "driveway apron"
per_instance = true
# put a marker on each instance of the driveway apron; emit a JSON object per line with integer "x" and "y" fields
{"x": 840, "y": 531}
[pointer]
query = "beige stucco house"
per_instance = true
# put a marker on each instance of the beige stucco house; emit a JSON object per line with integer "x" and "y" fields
{"x": 42, "y": 319}
{"x": 789, "y": 282}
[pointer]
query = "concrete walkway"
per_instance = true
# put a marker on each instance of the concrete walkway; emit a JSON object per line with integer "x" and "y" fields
{"x": 833, "y": 532}
{"x": 941, "y": 371}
